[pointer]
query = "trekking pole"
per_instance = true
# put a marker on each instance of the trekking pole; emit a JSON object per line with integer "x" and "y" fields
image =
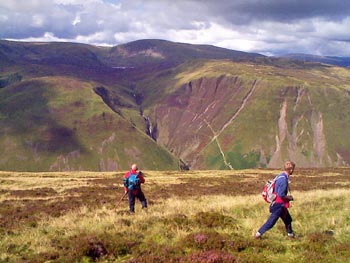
{"x": 121, "y": 199}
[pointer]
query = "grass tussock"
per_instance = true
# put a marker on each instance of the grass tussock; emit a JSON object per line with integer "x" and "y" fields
{"x": 206, "y": 228}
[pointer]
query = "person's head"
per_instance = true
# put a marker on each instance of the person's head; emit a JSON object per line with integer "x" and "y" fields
{"x": 134, "y": 167}
{"x": 289, "y": 167}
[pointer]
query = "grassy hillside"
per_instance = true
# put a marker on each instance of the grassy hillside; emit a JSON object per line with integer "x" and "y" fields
{"x": 125, "y": 63}
{"x": 49, "y": 53}
{"x": 75, "y": 106}
{"x": 165, "y": 54}
{"x": 246, "y": 115}
{"x": 197, "y": 216}
{"x": 58, "y": 123}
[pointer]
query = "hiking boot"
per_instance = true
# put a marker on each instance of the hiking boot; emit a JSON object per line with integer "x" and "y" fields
{"x": 291, "y": 235}
{"x": 257, "y": 235}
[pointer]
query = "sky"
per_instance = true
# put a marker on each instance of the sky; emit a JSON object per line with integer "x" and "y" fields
{"x": 269, "y": 27}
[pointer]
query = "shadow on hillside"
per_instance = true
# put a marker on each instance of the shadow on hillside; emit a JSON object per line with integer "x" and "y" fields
{"x": 27, "y": 117}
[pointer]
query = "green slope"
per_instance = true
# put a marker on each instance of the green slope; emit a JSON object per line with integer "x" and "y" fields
{"x": 58, "y": 123}
{"x": 156, "y": 52}
{"x": 298, "y": 113}
{"x": 66, "y": 106}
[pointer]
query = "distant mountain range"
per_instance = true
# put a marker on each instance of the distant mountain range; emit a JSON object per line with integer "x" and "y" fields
{"x": 332, "y": 60}
{"x": 166, "y": 106}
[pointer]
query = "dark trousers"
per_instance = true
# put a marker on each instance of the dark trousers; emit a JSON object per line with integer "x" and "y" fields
{"x": 139, "y": 195}
{"x": 277, "y": 211}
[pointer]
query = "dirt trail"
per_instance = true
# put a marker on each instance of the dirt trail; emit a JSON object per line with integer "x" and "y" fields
{"x": 219, "y": 146}
{"x": 244, "y": 102}
{"x": 217, "y": 134}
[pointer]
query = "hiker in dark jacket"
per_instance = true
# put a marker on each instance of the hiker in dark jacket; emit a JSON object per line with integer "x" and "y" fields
{"x": 279, "y": 208}
{"x": 132, "y": 184}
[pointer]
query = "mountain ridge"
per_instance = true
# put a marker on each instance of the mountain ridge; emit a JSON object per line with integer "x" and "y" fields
{"x": 331, "y": 60}
{"x": 176, "y": 105}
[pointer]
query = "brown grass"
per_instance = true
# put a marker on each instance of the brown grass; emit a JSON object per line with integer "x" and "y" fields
{"x": 25, "y": 197}
{"x": 61, "y": 217}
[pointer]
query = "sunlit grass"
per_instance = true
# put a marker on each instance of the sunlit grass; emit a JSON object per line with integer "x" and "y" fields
{"x": 57, "y": 181}
{"x": 248, "y": 211}
{"x": 321, "y": 219}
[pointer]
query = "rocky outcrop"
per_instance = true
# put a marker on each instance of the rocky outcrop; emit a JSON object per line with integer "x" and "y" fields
{"x": 276, "y": 157}
{"x": 200, "y": 114}
{"x": 294, "y": 142}
{"x": 183, "y": 119}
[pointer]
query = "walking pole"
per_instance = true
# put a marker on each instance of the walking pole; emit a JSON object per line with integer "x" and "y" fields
{"x": 121, "y": 199}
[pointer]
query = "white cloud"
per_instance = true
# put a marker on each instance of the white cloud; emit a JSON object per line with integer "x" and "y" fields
{"x": 3, "y": 18}
{"x": 37, "y": 20}
{"x": 269, "y": 26}
{"x": 77, "y": 20}
{"x": 337, "y": 30}
{"x": 47, "y": 36}
{"x": 99, "y": 38}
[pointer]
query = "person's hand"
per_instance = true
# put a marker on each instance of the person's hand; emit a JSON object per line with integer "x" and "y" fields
{"x": 290, "y": 198}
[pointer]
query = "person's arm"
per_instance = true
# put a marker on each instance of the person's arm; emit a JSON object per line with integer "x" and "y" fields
{"x": 282, "y": 189}
{"x": 142, "y": 179}
{"x": 125, "y": 181}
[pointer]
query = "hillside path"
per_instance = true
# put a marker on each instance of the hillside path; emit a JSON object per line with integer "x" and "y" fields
{"x": 246, "y": 98}
{"x": 217, "y": 134}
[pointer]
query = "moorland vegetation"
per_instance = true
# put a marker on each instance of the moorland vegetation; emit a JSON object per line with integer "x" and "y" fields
{"x": 193, "y": 216}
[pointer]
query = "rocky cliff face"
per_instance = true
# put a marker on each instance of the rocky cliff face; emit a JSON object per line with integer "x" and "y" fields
{"x": 206, "y": 119}
{"x": 305, "y": 134}
{"x": 194, "y": 115}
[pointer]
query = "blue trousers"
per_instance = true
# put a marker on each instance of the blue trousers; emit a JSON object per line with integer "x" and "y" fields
{"x": 277, "y": 211}
{"x": 139, "y": 195}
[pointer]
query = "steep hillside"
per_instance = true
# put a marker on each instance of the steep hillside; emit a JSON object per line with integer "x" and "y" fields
{"x": 66, "y": 106}
{"x": 58, "y": 123}
{"x": 219, "y": 114}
